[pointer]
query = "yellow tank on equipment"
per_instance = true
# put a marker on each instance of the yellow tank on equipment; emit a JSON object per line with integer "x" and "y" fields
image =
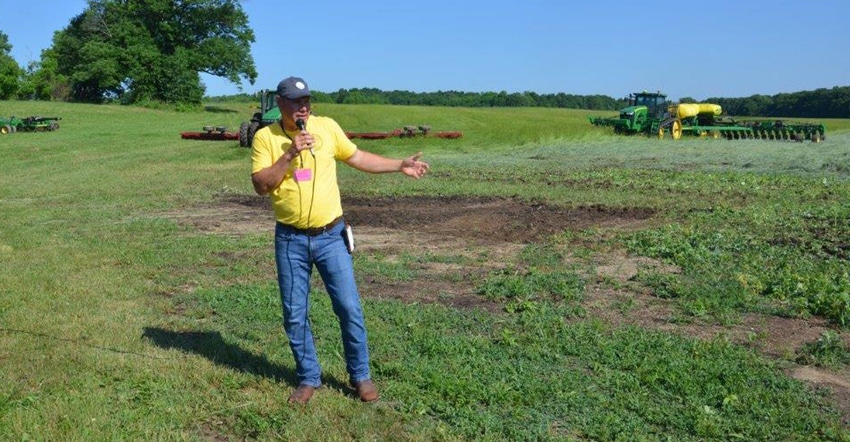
{"x": 687, "y": 110}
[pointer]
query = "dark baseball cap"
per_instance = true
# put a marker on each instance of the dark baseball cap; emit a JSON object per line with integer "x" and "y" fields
{"x": 293, "y": 88}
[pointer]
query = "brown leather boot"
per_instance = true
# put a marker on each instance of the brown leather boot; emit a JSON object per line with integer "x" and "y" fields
{"x": 366, "y": 391}
{"x": 302, "y": 394}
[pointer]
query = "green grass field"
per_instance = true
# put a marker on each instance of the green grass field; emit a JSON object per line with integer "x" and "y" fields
{"x": 120, "y": 321}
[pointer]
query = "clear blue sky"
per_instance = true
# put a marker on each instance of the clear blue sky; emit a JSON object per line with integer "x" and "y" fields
{"x": 725, "y": 48}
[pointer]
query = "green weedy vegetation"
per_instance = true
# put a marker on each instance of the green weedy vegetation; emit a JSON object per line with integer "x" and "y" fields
{"x": 118, "y": 321}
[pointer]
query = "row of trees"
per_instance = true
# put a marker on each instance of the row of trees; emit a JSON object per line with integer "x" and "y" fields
{"x": 473, "y": 99}
{"x": 820, "y": 103}
{"x": 455, "y": 99}
{"x": 135, "y": 51}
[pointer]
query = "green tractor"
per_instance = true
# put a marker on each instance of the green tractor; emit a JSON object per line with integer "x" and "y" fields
{"x": 268, "y": 114}
{"x": 643, "y": 115}
{"x": 29, "y": 124}
{"x": 650, "y": 113}
{"x": 9, "y": 125}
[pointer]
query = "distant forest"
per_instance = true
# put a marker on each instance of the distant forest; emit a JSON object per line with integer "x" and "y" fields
{"x": 819, "y": 103}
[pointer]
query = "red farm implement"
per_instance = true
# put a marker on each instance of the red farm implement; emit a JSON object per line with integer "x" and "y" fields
{"x": 210, "y": 133}
{"x": 407, "y": 132}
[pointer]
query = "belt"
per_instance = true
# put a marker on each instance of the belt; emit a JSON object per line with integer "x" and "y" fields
{"x": 313, "y": 231}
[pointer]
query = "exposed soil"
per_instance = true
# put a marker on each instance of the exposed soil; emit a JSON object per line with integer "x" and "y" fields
{"x": 492, "y": 231}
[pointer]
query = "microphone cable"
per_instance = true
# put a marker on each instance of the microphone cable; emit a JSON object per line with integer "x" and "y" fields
{"x": 301, "y": 126}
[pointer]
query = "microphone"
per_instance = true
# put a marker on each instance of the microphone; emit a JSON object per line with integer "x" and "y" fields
{"x": 301, "y": 126}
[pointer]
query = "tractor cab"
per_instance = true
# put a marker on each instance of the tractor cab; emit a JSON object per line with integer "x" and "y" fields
{"x": 267, "y": 113}
{"x": 655, "y": 102}
{"x": 268, "y": 106}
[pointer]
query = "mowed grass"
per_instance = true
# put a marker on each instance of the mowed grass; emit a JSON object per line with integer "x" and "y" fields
{"x": 117, "y": 322}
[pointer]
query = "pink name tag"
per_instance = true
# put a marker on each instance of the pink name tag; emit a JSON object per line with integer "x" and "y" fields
{"x": 303, "y": 175}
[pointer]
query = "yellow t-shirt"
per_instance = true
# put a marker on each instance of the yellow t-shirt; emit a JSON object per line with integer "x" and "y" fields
{"x": 308, "y": 196}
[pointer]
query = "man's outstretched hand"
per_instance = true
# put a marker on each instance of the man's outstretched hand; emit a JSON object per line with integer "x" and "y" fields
{"x": 413, "y": 167}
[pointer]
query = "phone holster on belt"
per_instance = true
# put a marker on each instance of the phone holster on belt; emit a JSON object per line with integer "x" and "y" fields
{"x": 348, "y": 236}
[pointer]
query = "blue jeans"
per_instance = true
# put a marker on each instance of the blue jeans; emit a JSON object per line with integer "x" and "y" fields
{"x": 295, "y": 255}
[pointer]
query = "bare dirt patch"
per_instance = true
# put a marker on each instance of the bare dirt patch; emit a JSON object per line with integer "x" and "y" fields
{"x": 491, "y": 232}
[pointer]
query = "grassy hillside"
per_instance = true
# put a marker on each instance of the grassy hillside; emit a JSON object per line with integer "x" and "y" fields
{"x": 128, "y": 313}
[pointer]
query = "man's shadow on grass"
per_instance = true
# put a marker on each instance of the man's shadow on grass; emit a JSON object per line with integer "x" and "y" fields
{"x": 212, "y": 346}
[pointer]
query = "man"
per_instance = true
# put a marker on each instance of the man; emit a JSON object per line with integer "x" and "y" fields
{"x": 294, "y": 162}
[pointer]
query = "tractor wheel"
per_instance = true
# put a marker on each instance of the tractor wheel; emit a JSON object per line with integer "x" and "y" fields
{"x": 660, "y": 133}
{"x": 243, "y": 135}
{"x": 53, "y": 126}
{"x": 815, "y": 137}
{"x": 5, "y": 130}
{"x": 676, "y": 130}
{"x": 14, "y": 129}
{"x": 252, "y": 129}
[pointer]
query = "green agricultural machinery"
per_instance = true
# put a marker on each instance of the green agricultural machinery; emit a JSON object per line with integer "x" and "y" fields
{"x": 650, "y": 113}
{"x": 28, "y": 124}
{"x": 268, "y": 113}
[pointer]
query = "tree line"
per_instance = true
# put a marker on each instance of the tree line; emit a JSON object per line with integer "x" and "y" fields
{"x": 819, "y": 103}
{"x": 455, "y": 99}
{"x": 143, "y": 51}
{"x": 474, "y": 99}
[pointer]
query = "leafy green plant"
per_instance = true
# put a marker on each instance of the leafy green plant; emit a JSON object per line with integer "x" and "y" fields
{"x": 828, "y": 351}
{"x": 512, "y": 284}
{"x": 754, "y": 256}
